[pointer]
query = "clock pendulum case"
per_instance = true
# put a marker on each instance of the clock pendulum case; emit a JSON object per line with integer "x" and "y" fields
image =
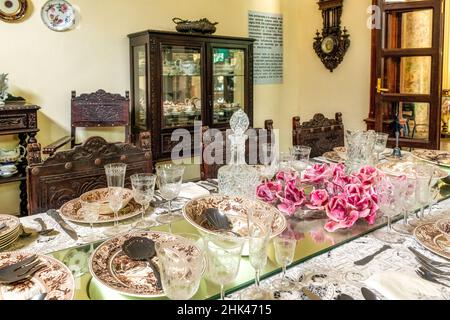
{"x": 334, "y": 42}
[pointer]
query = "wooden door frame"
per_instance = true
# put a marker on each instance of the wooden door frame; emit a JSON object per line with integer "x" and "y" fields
{"x": 376, "y": 119}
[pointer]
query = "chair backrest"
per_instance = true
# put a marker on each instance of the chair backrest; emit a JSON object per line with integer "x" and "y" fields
{"x": 214, "y": 143}
{"x": 320, "y": 133}
{"x": 68, "y": 174}
{"x": 100, "y": 109}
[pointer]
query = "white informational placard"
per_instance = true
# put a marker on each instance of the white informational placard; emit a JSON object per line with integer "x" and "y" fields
{"x": 267, "y": 29}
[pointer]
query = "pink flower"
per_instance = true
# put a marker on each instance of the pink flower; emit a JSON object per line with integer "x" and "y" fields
{"x": 293, "y": 198}
{"x": 318, "y": 200}
{"x": 317, "y": 174}
{"x": 341, "y": 216}
{"x": 286, "y": 176}
{"x": 338, "y": 170}
{"x": 267, "y": 192}
{"x": 368, "y": 175}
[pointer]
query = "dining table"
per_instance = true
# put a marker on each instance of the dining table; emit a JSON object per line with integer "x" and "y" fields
{"x": 324, "y": 262}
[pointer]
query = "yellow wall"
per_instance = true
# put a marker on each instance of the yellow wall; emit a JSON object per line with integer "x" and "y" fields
{"x": 44, "y": 66}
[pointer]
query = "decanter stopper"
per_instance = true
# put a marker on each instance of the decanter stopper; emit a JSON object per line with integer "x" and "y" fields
{"x": 239, "y": 122}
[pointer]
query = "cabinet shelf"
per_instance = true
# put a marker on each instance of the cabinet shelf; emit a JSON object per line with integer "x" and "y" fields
{"x": 15, "y": 178}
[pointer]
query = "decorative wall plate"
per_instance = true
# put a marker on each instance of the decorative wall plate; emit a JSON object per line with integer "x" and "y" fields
{"x": 13, "y": 10}
{"x": 441, "y": 158}
{"x": 58, "y": 15}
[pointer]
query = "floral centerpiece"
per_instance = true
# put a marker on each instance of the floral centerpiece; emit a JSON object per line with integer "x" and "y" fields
{"x": 345, "y": 198}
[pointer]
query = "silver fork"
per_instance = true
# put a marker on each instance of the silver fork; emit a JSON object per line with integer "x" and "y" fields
{"x": 431, "y": 268}
{"x": 428, "y": 260}
{"x": 426, "y": 275}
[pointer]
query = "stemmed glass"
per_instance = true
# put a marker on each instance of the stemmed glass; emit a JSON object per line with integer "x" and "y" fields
{"x": 170, "y": 179}
{"x": 90, "y": 209}
{"x": 285, "y": 246}
{"x": 259, "y": 232}
{"x": 391, "y": 193}
{"x": 380, "y": 144}
{"x": 408, "y": 206}
{"x": 115, "y": 176}
{"x": 301, "y": 156}
{"x": 424, "y": 176}
{"x": 180, "y": 274}
{"x": 223, "y": 254}
{"x": 286, "y": 159}
{"x": 143, "y": 189}
{"x": 269, "y": 160}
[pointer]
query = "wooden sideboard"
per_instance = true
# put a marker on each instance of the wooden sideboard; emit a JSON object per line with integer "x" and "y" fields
{"x": 20, "y": 120}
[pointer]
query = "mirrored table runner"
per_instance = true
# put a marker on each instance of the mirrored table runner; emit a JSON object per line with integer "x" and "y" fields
{"x": 314, "y": 241}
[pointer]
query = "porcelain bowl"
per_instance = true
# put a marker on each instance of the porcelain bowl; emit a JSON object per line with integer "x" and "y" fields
{"x": 235, "y": 208}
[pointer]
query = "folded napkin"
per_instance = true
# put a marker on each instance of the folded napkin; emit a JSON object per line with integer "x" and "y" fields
{"x": 404, "y": 286}
{"x": 191, "y": 191}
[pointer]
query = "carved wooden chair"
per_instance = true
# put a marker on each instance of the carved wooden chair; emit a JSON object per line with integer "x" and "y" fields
{"x": 95, "y": 110}
{"x": 214, "y": 143}
{"x": 320, "y": 133}
{"x": 68, "y": 174}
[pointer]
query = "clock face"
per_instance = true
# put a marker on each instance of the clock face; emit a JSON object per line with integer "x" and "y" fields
{"x": 328, "y": 44}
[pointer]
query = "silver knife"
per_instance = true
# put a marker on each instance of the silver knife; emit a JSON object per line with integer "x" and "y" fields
{"x": 63, "y": 224}
{"x": 368, "y": 295}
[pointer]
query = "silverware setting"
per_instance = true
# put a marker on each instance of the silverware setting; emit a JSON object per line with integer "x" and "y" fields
{"x": 427, "y": 275}
{"x": 429, "y": 261}
{"x": 63, "y": 224}
{"x": 40, "y": 296}
{"x": 20, "y": 271}
{"x": 368, "y": 259}
{"x": 2, "y": 226}
{"x": 368, "y": 294}
{"x": 45, "y": 231}
{"x": 344, "y": 296}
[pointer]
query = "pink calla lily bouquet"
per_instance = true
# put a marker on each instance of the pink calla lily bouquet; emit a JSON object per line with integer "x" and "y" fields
{"x": 345, "y": 198}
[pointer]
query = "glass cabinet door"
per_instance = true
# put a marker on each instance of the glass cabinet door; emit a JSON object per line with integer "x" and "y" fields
{"x": 182, "y": 86}
{"x": 140, "y": 86}
{"x": 228, "y": 83}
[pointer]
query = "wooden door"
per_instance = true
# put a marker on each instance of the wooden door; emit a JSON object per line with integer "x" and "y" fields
{"x": 407, "y": 72}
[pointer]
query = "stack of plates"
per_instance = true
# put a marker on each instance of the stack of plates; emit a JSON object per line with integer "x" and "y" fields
{"x": 10, "y": 232}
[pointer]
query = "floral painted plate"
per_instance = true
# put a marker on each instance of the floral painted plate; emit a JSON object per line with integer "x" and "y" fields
{"x": 115, "y": 270}
{"x": 441, "y": 158}
{"x": 333, "y": 156}
{"x": 71, "y": 212}
{"x": 101, "y": 196}
{"x": 431, "y": 238}
{"x": 235, "y": 208}
{"x": 407, "y": 168}
{"x": 58, "y": 15}
{"x": 11, "y": 225}
{"x": 55, "y": 279}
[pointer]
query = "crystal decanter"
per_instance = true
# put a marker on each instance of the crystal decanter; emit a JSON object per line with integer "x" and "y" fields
{"x": 237, "y": 178}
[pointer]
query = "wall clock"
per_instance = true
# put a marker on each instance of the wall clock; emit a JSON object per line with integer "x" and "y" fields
{"x": 332, "y": 44}
{"x": 13, "y": 10}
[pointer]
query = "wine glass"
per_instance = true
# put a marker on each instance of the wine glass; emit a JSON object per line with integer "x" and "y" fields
{"x": 115, "y": 176}
{"x": 91, "y": 211}
{"x": 301, "y": 156}
{"x": 380, "y": 144}
{"x": 391, "y": 191}
{"x": 143, "y": 189}
{"x": 223, "y": 254}
{"x": 170, "y": 178}
{"x": 259, "y": 232}
{"x": 424, "y": 176}
{"x": 284, "y": 255}
{"x": 180, "y": 273}
{"x": 269, "y": 160}
{"x": 408, "y": 206}
{"x": 286, "y": 159}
